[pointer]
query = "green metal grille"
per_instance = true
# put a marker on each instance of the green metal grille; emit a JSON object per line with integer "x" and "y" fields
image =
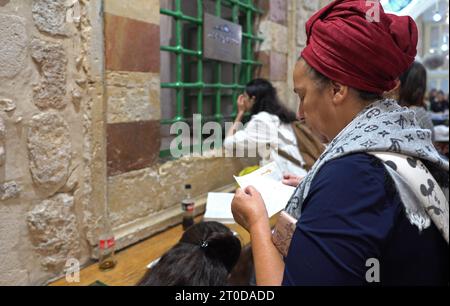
{"x": 241, "y": 74}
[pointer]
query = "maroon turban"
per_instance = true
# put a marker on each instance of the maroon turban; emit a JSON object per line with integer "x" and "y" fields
{"x": 346, "y": 47}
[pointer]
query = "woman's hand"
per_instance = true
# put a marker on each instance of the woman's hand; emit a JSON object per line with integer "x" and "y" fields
{"x": 241, "y": 105}
{"x": 250, "y": 212}
{"x": 242, "y": 108}
{"x": 291, "y": 180}
{"x": 248, "y": 208}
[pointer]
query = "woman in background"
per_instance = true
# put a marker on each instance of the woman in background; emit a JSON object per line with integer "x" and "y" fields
{"x": 440, "y": 103}
{"x": 413, "y": 85}
{"x": 270, "y": 124}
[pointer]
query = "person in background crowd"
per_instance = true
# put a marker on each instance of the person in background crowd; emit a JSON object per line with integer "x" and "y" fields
{"x": 429, "y": 97}
{"x": 432, "y": 95}
{"x": 440, "y": 103}
{"x": 411, "y": 94}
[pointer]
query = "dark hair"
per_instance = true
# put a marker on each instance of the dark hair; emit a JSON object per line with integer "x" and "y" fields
{"x": 323, "y": 81}
{"x": 266, "y": 100}
{"x": 413, "y": 85}
{"x": 204, "y": 256}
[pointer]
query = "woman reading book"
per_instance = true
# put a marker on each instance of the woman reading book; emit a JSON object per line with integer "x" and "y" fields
{"x": 363, "y": 214}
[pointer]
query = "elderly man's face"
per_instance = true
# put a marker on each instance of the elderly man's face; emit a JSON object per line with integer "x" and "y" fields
{"x": 315, "y": 105}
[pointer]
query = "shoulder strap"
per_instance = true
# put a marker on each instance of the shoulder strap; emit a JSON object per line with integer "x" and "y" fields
{"x": 290, "y": 158}
{"x": 309, "y": 145}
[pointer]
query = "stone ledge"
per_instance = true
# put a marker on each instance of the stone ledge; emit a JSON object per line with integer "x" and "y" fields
{"x": 143, "y": 228}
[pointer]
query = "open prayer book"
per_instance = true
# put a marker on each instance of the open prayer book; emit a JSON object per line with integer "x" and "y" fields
{"x": 267, "y": 180}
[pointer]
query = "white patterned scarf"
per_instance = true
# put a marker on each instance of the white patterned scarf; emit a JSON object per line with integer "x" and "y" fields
{"x": 384, "y": 126}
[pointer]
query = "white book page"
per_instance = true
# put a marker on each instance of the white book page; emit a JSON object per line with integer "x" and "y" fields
{"x": 267, "y": 180}
{"x": 218, "y": 207}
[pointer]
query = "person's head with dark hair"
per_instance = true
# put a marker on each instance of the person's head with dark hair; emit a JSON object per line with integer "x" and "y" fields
{"x": 413, "y": 85}
{"x": 440, "y": 96}
{"x": 432, "y": 95}
{"x": 204, "y": 256}
{"x": 264, "y": 98}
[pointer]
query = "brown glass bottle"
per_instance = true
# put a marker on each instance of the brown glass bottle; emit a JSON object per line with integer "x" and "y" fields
{"x": 188, "y": 205}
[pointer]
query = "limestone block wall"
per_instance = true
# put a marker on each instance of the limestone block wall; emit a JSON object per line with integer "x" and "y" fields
{"x": 132, "y": 84}
{"x": 274, "y": 51}
{"x": 47, "y": 77}
{"x": 283, "y": 29}
{"x": 299, "y": 12}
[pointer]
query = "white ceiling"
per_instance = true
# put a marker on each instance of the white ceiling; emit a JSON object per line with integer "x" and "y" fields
{"x": 417, "y": 7}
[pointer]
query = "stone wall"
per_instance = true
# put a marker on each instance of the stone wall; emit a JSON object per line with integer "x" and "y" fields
{"x": 79, "y": 127}
{"x": 274, "y": 51}
{"x": 283, "y": 29}
{"x": 46, "y": 76}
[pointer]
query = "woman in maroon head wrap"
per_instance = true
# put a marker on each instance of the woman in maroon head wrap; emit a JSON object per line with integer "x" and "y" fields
{"x": 373, "y": 204}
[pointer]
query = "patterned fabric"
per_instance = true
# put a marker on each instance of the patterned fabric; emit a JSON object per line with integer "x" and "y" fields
{"x": 424, "y": 119}
{"x": 383, "y": 126}
{"x": 429, "y": 198}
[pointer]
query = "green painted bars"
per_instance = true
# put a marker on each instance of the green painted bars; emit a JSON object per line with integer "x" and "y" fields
{"x": 241, "y": 74}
